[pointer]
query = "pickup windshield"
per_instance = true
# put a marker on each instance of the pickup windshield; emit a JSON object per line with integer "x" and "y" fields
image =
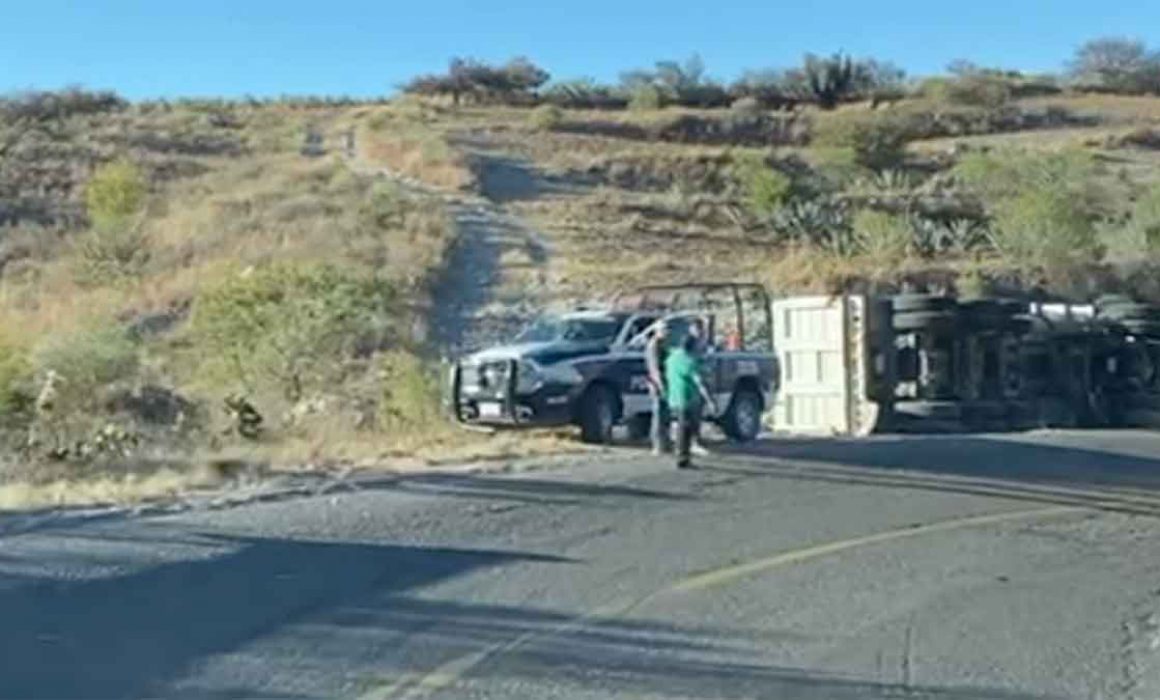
{"x": 547, "y": 329}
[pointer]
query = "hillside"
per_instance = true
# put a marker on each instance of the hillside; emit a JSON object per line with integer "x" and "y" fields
{"x": 310, "y": 262}
{"x": 788, "y": 199}
{"x": 256, "y": 293}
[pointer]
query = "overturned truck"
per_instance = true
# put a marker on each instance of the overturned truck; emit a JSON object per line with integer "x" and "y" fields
{"x": 854, "y": 365}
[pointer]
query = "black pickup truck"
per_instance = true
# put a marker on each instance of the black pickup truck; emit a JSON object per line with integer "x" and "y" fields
{"x": 587, "y": 367}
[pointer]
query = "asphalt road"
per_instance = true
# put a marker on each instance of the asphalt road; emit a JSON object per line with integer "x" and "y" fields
{"x": 900, "y": 567}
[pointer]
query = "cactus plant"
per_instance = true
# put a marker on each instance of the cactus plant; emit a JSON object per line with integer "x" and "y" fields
{"x": 831, "y": 79}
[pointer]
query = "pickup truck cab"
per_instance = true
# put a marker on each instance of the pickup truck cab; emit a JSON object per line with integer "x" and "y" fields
{"x": 587, "y": 367}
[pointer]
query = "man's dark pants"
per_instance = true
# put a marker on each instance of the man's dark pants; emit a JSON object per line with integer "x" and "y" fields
{"x": 662, "y": 420}
{"x": 688, "y": 430}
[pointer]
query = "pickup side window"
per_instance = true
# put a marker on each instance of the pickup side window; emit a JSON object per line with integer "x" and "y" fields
{"x": 678, "y": 328}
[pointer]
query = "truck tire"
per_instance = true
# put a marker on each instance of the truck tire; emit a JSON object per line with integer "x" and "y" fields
{"x": 981, "y": 307}
{"x": 1107, "y": 301}
{"x": 597, "y": 415}
{"x": 1148, "y": 329}
{"x": 904, "y": 303}
{"x": 1131, "y": 312}
{"x": 742, "y": 420}
{"x": 929, "y": 321}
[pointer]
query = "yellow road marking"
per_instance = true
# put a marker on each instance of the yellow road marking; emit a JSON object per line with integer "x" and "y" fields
{"x": 452, "y": 671}
{"x": 726, "y": 574}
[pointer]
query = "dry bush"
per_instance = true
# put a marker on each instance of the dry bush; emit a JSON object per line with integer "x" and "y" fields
{"x": 546, "y": 117}
{"x": 405, "y": 235}
{"x": 426, "y": 158}
{"x": 977, "y": 90}
{"x": 878, "y": 141}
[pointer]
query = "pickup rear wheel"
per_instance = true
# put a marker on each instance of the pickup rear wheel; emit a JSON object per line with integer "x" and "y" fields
{"x": 597, "y": 415}
{"x": 743, "y": 417}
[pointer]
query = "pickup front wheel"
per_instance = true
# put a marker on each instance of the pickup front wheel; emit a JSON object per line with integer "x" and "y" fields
{"x": 597, "y": 415}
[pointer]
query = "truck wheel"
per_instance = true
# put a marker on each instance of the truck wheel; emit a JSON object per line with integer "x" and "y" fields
{"x": 1148, "y": 329}
{"x": 597, "y": 415}
{"x": 743, "y": 417}
{"x": 927, "y": 321}
{"x": 1131, "y": 312}
{"x": 904, "y": 303}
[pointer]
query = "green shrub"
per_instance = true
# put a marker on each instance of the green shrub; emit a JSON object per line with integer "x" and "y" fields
{"x": 975, "y": 90}
{"x": 766, "y": 189}
{"x": 645, "y": 98}
{"x": 546, "y": 117}
{"x": 115, "y": 193}
{"x": 1146, "y": 216}
{"x": 86, "y": 362}
{"x": 837, "y": 167}
{"x": 288, "y": 327}
{"x": 1045, "y": 226}
{"x": 1139, "y": 235}
{"x": 973, "y": 283}
{"x": 16, "y": 391}
{"x": 995, "y": 176}
{"x": 107, "y": 255}
{"x": 410, "y": 392}
{"x": 882, "y": 236}
{"x": 878, "y": 141}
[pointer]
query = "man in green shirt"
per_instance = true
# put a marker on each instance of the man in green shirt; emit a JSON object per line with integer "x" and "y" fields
{"x": 687, "y": 396}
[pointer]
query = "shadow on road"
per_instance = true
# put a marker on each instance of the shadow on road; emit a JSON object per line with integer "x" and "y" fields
{"x": 126, "y": 635}
{"x": 520, "y": 490}
{"x": 600, "y": 658}
{"x": 1103, "y": 478}
{"x": 290, "y": 617}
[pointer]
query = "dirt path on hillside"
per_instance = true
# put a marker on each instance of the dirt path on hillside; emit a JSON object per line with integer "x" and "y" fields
{"x": 497, "y": 276}
{"x": 496, "y": 279}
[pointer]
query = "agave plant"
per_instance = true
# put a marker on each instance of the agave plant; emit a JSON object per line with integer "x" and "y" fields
{"x": 824, "y": 223}
{"x": 891, "y": 182}
{"x": 957, "y": 236}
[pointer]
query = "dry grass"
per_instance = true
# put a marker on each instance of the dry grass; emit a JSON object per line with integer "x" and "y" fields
{"x": 126, "y": 489}
{"x": 1120, "y": 108}
{"x": 409, "y": 139}
{"x": 436, "y": 443}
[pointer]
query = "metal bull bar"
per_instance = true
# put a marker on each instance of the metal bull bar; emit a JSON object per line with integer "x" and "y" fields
{"x": 510, "y": 409}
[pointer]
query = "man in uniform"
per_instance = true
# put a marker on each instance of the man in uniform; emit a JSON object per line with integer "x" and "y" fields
{"x": 655, "y": 354}
{"x": 700, "y": 346}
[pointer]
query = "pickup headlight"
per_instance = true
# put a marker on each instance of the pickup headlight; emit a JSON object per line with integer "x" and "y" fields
{"x": 529, "y": 377}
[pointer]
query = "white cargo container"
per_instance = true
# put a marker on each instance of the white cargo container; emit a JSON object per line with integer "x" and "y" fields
{"x": 827, "y": 362}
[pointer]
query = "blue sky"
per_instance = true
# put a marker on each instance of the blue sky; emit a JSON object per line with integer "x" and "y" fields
{"x": 149, "y": 48}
